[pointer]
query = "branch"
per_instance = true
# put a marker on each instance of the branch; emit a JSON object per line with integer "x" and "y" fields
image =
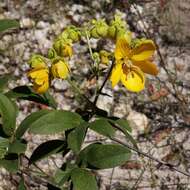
{"x": 151, "y": 157}
{"x": 104, "y": 82}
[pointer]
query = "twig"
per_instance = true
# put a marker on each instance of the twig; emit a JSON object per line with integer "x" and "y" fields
{"x": 34, "y": 164}
{"x": 104, "y": 82}
{"x": 151, "y": 157}
{"x": 172, "y": 184}
{"x": 139, "y": 178}
{"x": 111, "y": 178}
{"x": 89, "y": 46}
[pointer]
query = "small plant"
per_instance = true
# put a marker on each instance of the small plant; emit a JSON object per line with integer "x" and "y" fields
{"x": 128, "y": 63}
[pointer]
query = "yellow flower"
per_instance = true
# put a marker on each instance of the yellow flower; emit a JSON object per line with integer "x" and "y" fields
{"x": 60, "y": 69}
{"x": 40, "y": 77}
{"x": 132, "y": 63}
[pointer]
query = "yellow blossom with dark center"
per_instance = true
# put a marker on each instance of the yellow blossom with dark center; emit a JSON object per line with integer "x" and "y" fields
{"x": 132, "y": 63}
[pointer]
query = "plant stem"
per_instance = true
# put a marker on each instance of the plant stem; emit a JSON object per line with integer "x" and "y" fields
{"x": 104, "y": 82}
{"x": 151, "y": 157}
{"x": 89, "y": 46}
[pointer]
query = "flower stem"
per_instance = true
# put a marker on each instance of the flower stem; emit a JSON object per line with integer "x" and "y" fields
{"x": 104, "y": 82}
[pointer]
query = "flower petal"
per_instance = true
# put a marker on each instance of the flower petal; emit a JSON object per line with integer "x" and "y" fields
{"x": 147, "y": 67}
{"x": 143, "y": 51}
{"x": 41, "y": 88}
{"x": 122, "y": 48}
{"x": 134, "y": 81}
{"x": 38, "y": 73}
{"x": 63, "y": 70}
{"x": 116, "y": 74}
{"x": 40, "y": 81}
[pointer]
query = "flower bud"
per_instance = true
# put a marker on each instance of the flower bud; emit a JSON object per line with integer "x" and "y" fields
{"x": 94, "y": 33}
{"x": 74, "y": 35}
{"x": 52, "y": 53}
{"x": 96, "y": 57}
{"x": 112, "y": 32}
{"x": 71, "y": 33}
{"x": 37, "y": 61}
{"x": 59, "y": 69}
{"x": 104, "y": 57}
{"x": 63, "y": 48}
{"x": 117, "y": 27}
{"x": 102, "y": 29}
{"x": 99, "y": 29}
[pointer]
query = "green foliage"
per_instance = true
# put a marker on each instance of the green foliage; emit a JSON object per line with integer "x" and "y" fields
{"x": 104, "y": 156}
{"x": 6, "y": 24}
{"x": 103, "y": 127}
{"x": 83, "y": 179}
{"x": 4, "y": 143}
{"x": 10, "y": 163}
{"x": 62, "y": 176}
{"x": 123, "y": 126}
{"x": 26, "y": 93}
{"x": 78, "y": 163}
{"x": 21, "y": 185}
{"x": 25, "y": 124}
{"x": 8, "y": 115}
{"x": 17, "y": 147}
{"x": 76, "y": 137}
{"x": 55, "y": 121}
{"x": 4, "y": 79}
{"x": 46, "y": 149}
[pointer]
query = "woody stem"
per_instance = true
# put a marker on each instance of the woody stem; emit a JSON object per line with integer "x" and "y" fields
{"x": 104, "y": 82}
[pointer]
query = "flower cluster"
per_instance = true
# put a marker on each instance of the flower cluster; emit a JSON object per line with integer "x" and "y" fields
{"x": 55, "y": 65}
{"x": 132, "y": 57}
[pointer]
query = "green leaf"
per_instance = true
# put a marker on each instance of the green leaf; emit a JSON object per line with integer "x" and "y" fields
{"x": 4, "y": 81}
{"x": 76, "y": 137}
{"x": 21, "y": 185}
{"x": 105, "y": 156}
{"x": 26, "y": 93}
{"x": 2, "y": 133}
{"x": 50, "y": 99}
{"x": 46, "y": 149}
{"x": 124, "y": 124}
{"x": 10, "y": 165}
{"x": 25, "y": 124}
{"x": 55, "y": 121}
{"x": 83, "y": 179}
{"x": 8, "y": 115}
{"x": 62, "y": 176}
{"x": 17, "y": 147}
{"x": 6, "y": 24}
{"x": 103, "y": 127}
{"x": 4, "y": 144}
{"x": 124, "y": 127}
